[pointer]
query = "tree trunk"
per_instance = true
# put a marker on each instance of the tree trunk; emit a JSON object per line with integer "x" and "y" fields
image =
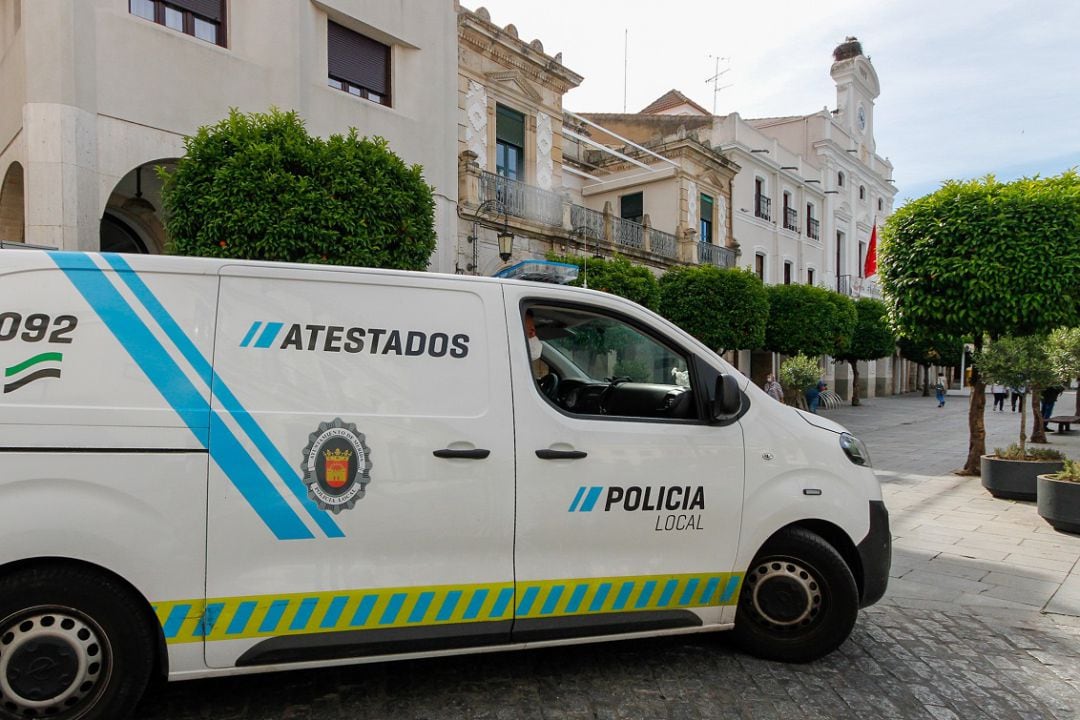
{"x": 1038, "y": 434}
{"x": 976, "y": 420}
{"x": 854, "y": 382}
{"x": 1077, "y": 411}
{"x": 926, "y": 381}
{"x": 1023, "y": 429}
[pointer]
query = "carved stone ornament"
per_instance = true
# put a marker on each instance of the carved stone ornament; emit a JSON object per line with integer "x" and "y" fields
{"x": 544, "y": 164}
{"x": 721, "y": 216}
{"x": 476, "y": 120}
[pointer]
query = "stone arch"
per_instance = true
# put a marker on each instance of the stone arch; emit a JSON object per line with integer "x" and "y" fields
{"x": 132, "y": 220}
{"x": 12, "y": 205}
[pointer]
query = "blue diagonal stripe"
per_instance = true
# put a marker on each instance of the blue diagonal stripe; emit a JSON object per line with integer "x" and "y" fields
{"x": 597, "y": 603}
{"x": 333, "y": 613}
{"x": 477, "y": 602}
{"x": 159, "y": 367}
{"x": 363, "y": 611}
{"x": 624, "y": 595}
{"x": 273, "y": 616}
{"x": 240, "y": 619}
{"x": 502, "y": 601}
{"x": 175, "y": 621}
{"x": 645, "y": 595}
{"x": 577, "y": 499}
{"x": 268, "y": 334}
{"x": 527, "y": 600}
{"x": 576, "y": 598}
{"x": 669, "y": 590}
{"x": 552, "y": 600}
{"x": 421, "y": 607}
{"x": 709, "y": 591}
{"x": 210, "y": 618}
{"x": 590, "y": 499}
{"x": 449, "y": 605}
{"x": 729, "y": 589}
{"x": 688, "y": 593}
{"x": 303, "y": 614}
{"x": 393, "y": 607}
{"x": 250, "y": 333}
{"x": 229, "y": 402}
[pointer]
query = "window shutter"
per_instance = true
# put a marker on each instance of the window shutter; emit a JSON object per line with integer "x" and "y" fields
{"x": 509, "y": 126}
{"x": 358, "y": 59}
{"x": 209, "y": 9}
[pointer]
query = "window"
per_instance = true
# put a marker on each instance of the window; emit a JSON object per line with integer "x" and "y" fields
{"x": 509, "y": 143}
{"x": 762, "y": 204}
{"x": 862, "y": 258}
{"x": 632, "y": 207}
{"x": 593, "y": 364}
{"x": 759, "y": 266}
{"x": 787, "y": 272}
{"x": 862, "y": 192}
{"x": 813, "y": 227}
{"x": 840, "y": 179}
{"x": 809, "y": 276}
{"x": 880, "y": 204}
{"x": 204, "y": 19}
{"x": 706, "y": 218}
{"x": 201, "y": 18}
{"x": 357, "y": 64}
{"x": 791, "y": 215}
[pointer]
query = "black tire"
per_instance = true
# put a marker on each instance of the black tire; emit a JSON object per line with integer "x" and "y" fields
{"x": 798, "y": 601}
{"x": 74, "y": 645}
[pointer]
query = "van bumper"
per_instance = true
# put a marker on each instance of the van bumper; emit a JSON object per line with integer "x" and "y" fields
{"x": 875, "y": 552}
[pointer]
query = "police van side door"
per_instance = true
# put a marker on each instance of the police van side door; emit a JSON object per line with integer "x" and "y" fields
{"x": 367, "y": 503}
{"x": 627, "y": 519}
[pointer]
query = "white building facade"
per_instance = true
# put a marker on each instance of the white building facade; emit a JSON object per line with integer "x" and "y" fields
{"x": 95, "y": 93}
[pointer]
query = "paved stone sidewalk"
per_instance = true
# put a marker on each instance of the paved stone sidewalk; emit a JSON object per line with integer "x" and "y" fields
{"x": 978, "y": 622}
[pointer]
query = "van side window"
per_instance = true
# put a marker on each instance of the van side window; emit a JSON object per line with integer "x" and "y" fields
{"x": 589, "y": 363}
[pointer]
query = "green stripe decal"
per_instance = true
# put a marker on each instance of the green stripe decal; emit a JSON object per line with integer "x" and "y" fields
{"x": 338, "y": 610}
{"x": 43, "y": 357}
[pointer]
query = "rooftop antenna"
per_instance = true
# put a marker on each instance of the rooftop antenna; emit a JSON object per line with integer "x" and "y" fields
{"x": 626, "y": 67}
{"x": 715, "y": 79}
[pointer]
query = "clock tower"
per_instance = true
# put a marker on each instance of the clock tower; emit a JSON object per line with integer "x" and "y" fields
{"x": 856, "y": 89}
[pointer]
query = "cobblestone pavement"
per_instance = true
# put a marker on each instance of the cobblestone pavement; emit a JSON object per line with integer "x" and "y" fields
{"x": 968, "y": 629}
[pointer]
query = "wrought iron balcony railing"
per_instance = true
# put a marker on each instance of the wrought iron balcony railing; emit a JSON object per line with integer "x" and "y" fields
{"x": 791, "y": 219}
{"x": 521, "y": 200}
{"x": 763, "y": 207}
{"x": 663, "y": 243}
{"x": 716, "y": 255}
{"x": 813, "y": 229}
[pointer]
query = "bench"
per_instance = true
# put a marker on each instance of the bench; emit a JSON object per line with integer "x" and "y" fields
{"x": 1064, "y": 422}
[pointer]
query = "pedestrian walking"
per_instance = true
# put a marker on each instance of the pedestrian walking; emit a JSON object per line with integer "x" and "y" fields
{"x": 773, "y": 389}
{"x": 1049, "y": 399}
{"x": 1017, "y": 394}
{"x": 1000, "y": 392}
{"x": 939, "y": 390}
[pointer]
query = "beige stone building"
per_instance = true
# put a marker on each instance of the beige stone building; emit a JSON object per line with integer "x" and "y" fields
{"x": 95, "y": 93}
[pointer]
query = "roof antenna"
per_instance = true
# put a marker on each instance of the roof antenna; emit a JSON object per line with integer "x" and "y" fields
{"x": 715, "y": 79}
{"x": 625, "y": 67}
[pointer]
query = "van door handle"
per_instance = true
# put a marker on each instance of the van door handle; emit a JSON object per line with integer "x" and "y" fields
{"x": 547, "y": 454}
{"x": 477, "y": 454}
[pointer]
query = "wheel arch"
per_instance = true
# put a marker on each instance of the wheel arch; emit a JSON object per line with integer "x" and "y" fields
{"x": 837, "y": 538}
{"x": 160, "y": 669}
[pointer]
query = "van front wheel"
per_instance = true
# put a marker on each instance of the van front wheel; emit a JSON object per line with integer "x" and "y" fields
{"x": 798, "y": 601}
{"x": 73, "y": 646}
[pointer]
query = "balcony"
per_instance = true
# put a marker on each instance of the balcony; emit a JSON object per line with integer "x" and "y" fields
{"x": 813, "y": 229}
{"x": 709, "y": 254}
{"x": 521, "y": 200}
{"x": 629, "y": 234}
{"x": 664, "y": 244}
{"x": 763, "y": 207}
{"x": 791, "y": 219}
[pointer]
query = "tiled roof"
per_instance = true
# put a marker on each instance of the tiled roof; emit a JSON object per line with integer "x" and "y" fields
{"x": 670, "y": 99}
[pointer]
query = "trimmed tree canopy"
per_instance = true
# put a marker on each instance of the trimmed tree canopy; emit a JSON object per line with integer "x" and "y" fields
{"x": 808, "y": 320}
{"x": 617, "y": 276}
{"x": 259, "y": 186}
{"x": 872, "y": 338}
{"x": 985, "y": 257}
{"x": 724, "y": 308}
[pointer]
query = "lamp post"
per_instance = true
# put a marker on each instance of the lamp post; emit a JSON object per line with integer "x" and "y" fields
{"x": 505, "y": 237}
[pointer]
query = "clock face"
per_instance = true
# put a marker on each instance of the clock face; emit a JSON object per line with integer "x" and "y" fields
{"x": 861, "y": 117}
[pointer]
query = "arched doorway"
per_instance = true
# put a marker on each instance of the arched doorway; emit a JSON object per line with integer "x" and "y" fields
{"x": 12, "y": 209}
{"x": 132, "y": 220}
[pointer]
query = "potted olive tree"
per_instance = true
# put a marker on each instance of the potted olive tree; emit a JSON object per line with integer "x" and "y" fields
{"x": 1018, "y": 362}
{"x": 798, "y": 374}
{"x": 1059, "y": 498}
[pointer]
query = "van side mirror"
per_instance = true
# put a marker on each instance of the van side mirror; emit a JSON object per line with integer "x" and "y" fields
{"x": 727, "y": 400}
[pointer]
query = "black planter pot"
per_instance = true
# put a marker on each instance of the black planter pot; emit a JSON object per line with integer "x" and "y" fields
{"x": 1059, "y": 503}
{"x": 1015, "y": 479}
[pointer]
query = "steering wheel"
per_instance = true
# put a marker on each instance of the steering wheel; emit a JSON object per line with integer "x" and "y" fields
{"x": 548, "y": 385}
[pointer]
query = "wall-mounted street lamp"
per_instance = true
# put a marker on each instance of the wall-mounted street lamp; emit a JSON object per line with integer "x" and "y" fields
{"x": 505, "y": 237}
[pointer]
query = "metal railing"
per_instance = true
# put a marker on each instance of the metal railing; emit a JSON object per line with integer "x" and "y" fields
{"x": 791, "y": 219}
{"x": 857, "y": 287}
{"x": 587, "y": 221}
{"x": 663, "y": 243}
{"x": 715, "y": 255}
{"x": 629, "y": 233}
{"x": 763, "y": 207}
{"x": 521, "y": 200}
{"x": 813, "y": 229}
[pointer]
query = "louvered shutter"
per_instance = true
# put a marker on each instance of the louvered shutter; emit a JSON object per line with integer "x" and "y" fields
{"x": 209, "y": 9}
{"x": 358, "y": 59}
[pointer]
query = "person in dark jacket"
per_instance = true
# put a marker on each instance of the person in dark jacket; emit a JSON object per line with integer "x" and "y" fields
{"x": 1049, "y": 398}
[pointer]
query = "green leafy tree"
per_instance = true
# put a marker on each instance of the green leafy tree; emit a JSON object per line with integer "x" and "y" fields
{"x": 843, "y": 324}
{"x": 724, "y": 308}
{"x": 802, "y": 320}
{"x": 259, "y": 186}
{"x": 1020, "y": 362}
{"x": 872, "y": 339}
{"x": 924, "y": 352}
{"x": 1064, "y": 352}
{"x": 797, "y": 374}
{"x": 984, "y": 257}
{"x": 617, "y": 276}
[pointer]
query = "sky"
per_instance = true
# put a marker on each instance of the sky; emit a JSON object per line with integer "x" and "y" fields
{"x": 967, "y": 88}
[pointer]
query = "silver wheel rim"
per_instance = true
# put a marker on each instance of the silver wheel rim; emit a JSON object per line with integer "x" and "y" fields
{"x": 77, "y": 635}
{"x": 799, "y": 586}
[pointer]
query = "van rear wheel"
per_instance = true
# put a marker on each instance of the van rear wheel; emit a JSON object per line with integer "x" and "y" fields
{"x": 798, "y": 601}
{"x": 73, "y": 646}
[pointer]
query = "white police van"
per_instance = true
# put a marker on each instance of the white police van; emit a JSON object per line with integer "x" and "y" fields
{"x": 211, "y": 467}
